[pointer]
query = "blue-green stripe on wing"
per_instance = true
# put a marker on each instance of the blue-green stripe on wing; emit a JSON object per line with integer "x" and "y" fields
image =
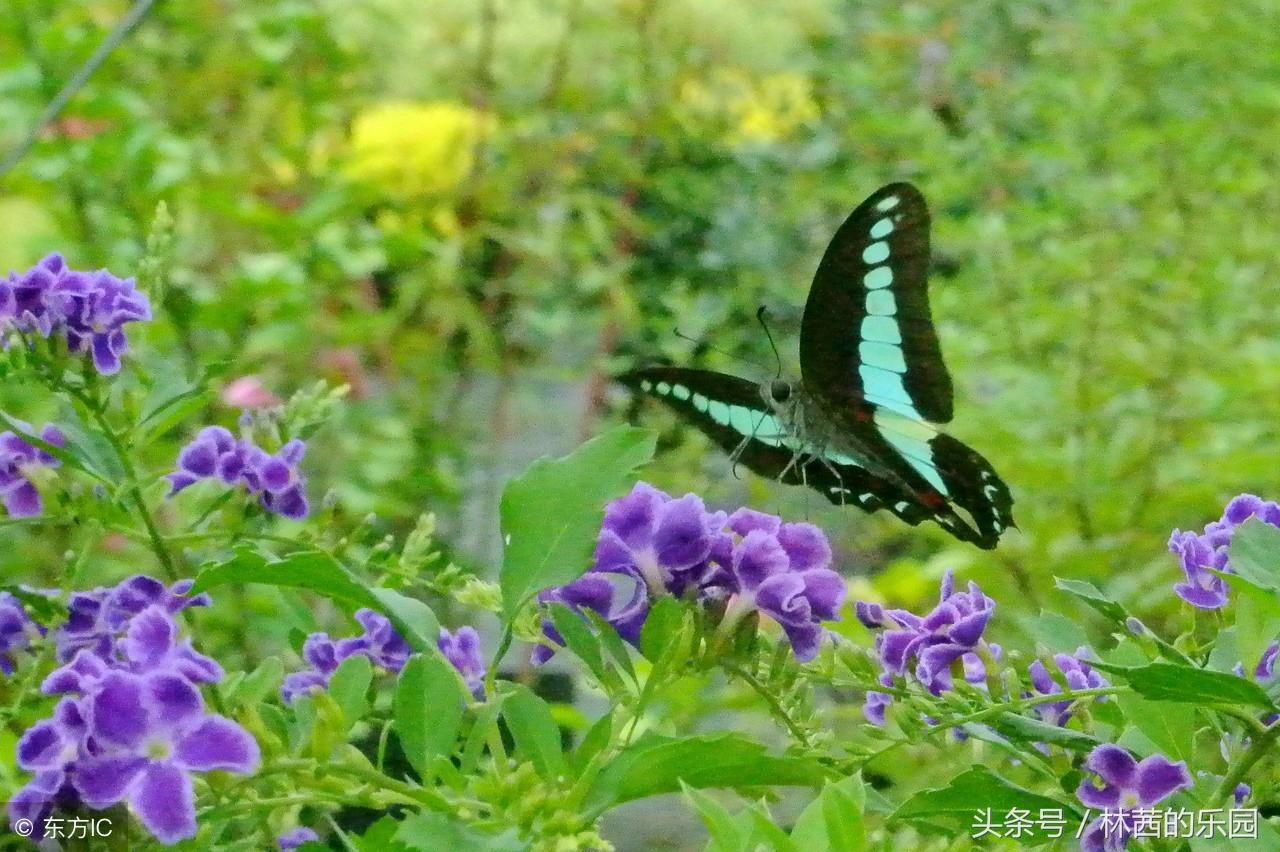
{"x": 729, "y": 410}
{"x": 867, "y": 336}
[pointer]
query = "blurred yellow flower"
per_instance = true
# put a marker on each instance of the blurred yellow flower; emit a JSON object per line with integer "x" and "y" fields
{"x": 410, "y": 150}
{"x": 767, "y": 110}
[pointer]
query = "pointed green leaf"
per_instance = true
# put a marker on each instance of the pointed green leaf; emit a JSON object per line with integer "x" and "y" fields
{"x": 534, "y": 729}
{"x": 428, "y": 707}
{"x": 551, "y": 513}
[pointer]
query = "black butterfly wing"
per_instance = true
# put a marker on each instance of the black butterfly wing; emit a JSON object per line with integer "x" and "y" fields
{"x": 731, "y": 412}
{"x": 872, "y": 363}
{"x": 867, "y": 336}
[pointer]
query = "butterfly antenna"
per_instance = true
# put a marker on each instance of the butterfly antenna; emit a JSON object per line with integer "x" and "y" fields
{"x": 718, "y": 351}
{"x": 776, "y": 357}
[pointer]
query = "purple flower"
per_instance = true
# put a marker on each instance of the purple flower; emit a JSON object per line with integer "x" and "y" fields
{"x": 951, "y": 632}
{"x": 1075, "y": 671}
{"x": 783, "y": 573}
{"x": 617, "y": 597}
{"x": 274, "y": 479}
{"x": 1126, "y": 784}
{"x": 1196, "y": 553}
{"x": 295, "y": 838}
{"x": 665, "y": 542}
{"x": 89, "y": 309}
{"x": 97, "y": 619}
{"x": 652, "y": 544}
{"x": 380, "y": 643}
{"x": 876, "y": 703}
{"x": 150, "y": 733}
{"x": 462, "y": 650}
{"x": 48, "y": 749}
{"x": 17, "y": 457}
{"x": 17, "y": 630}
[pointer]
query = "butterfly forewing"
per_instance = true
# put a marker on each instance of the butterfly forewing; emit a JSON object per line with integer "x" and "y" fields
{"x": 867, "y": 336}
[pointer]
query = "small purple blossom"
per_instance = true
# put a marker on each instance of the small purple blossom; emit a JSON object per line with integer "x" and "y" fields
{"x": 89, "y": 309}
{"x": 150, "y": 733}
{"x": 663, "y": 541}
{"x": 783, "y": 573}
{"x": 98, "y": 618}
{"x": 651, "y": 544}
{"x": 131, "y": 725}
{"x": 462, "y": 650}
{"x": 17, "y": 458}
{"x": 1196, "y": 553}
{"x": 380, "y": 643}
{"x": 17, "y": 630}
{"x": 383, "y": 645}
{"x": 274, "y": 479}
{"x": 951, "y": 632}
{"x": 1126, "y": 784}
{"x": 293, "y": 839}
{"x": 1077, "y": 673}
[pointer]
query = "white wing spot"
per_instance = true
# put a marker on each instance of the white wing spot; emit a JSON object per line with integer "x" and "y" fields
{"x": 664, "y": 388}
{"x": 646, "y": 385}
{"x": 881, "y": 303}
{"x": 881, "y": 276}
{"x": 884, "y": 205}
{"x": 882, "y": 229}
{"x": 876, "y": 252}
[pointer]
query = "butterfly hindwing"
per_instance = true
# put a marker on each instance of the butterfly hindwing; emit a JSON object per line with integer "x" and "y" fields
{"x": 867, "y": 336}
{"x": 731, "y": 412}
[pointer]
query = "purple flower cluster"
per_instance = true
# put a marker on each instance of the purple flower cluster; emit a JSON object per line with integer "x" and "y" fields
{"x": 293, "y": 839}
{"x": 274, "y": 479}
{"x": 1077, "y": 674}
{"x": 89, "y": 309}
{"x": 1126, "y": 784}
{"x": 17, "y": 630}
{"x": 384, "y": 647}
{"x": 652, "y": 544}
{"x": 132, "y": 724}
{"x": 17, "y": 457}
{"x": 951, "y": 632}
{"x": 1209, "y": 549}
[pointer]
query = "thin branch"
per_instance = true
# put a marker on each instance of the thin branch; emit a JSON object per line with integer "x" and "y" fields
{"x": 131, "y": 19}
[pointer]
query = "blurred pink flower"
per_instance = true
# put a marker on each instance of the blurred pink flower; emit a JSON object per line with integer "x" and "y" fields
{"x": 249, "y": 392}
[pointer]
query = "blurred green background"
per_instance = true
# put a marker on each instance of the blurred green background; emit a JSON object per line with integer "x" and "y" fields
{"x": 474, "y": 212}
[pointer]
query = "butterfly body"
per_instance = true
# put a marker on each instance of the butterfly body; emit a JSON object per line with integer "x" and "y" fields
{"x": 858, "y": 427}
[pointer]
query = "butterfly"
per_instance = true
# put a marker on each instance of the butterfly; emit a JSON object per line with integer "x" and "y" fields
{"x": 860, "y": 427}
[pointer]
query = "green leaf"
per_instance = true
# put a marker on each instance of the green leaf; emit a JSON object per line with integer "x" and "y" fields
{"x": 415, "y": 621}
{"x": 833, "y": 821}
{"x": 380, "y": 837}
{"x": 551, "y": 513}
{"x": 73, "y": 455}
{"x": 349, "y": 687}
{"x": 1093, "y": 596}
{"x": 433, "y": 832}
{"x": 427, "y": 709}
{"x": 1024, "y": 729}
{"x": 1257, "y": 621}
{"x": 657, "y": 764}
{"x": 973, "y": 789}
{"x": 596, "y": 739}
{"x": 313, "y": 570}
{"x": 257, "y": 685}
{"x": 661, "y": 625}
{"x": 1170, "y": 727}
{"x": 534, "y": 729}
{"x": 317, "y": 571}
{"x": 726, "y": 834}
{"x": 1255, "y": 553}
{"x": 1171, "y": 682}
{"x": 578, "y": 638}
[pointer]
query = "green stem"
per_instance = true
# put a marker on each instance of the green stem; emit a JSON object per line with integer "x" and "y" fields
{"x": 133, "y": 490}
{"x": 1236, "y": 771}
{"x": 775, "y": 706}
